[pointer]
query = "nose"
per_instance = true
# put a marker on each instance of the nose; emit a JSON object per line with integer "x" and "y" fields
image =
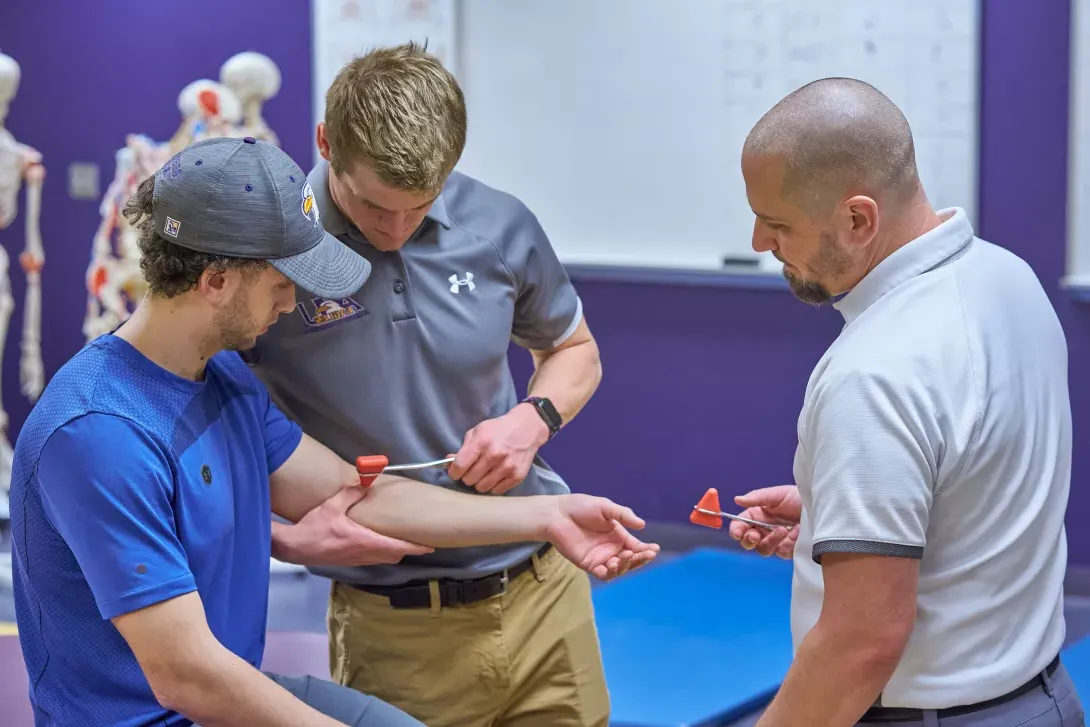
{"x": 287, "y": 303}
{"x": 762, "y": 241}
{"x": 394, "y": 224}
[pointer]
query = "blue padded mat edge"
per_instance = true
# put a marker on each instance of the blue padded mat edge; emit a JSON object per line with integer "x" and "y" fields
{"x": 699, "y": 640}
{"x": 1076, "y": 659}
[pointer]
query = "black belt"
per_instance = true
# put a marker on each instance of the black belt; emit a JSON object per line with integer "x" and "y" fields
{"x": 417, "y": 594}
{"x": 907, "y": 714}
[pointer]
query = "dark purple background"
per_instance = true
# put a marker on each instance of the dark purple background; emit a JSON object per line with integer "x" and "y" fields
{"x": 702, "y": 384}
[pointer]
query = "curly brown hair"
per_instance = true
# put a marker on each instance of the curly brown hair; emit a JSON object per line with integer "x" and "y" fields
{"x": 171, "y": 269}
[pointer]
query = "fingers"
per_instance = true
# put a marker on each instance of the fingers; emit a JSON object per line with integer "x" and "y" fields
{"x": 780, "y": 541}
{"x": 786, "y": 549}
{"x": 739, "y": 529}
{"x": 500, "y": 473}
{"x": 625, "y": 561}
{"x": 391, "y": 550}
{"x": 464, "y": 458}
{"x": 495, "y": 471}
{"x": 633, "y": 544}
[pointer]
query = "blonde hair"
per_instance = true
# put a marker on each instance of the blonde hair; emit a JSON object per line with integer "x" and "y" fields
{"x": 399, "y": 112}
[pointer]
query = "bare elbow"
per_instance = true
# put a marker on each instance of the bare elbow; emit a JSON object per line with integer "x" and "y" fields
{"x": 179, "y": 687}
{"x": 170, "y": 693}
{"x": 885, "y": 643}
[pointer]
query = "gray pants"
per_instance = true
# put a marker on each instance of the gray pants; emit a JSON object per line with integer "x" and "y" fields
{"x": 1053, "y": 704}
{"x": 343, "y": 704}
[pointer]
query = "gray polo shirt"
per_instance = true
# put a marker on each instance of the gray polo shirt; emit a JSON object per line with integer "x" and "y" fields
{"x": 418, "y": 356}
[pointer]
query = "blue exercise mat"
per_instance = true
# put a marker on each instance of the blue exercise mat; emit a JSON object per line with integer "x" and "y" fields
{"x": 701, "y": 639}
{"x": 1076, "y": 659}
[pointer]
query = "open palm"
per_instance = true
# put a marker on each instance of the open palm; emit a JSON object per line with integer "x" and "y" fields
{"x": 591, "y": 533}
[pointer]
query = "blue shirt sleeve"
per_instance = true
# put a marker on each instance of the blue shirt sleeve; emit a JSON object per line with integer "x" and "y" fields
{"x": 107, "y": 487}
{"x": 547, "y": 307}
{"x": 282, "y": 435}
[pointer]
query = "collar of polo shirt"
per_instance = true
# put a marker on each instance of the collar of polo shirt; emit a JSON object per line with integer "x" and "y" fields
{"x": 922, "y": 254}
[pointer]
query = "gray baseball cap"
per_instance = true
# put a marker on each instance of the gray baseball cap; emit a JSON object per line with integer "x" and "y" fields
{"x": 247, "y": 198}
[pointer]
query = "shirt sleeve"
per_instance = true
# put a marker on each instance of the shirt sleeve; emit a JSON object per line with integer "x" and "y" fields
{"x": 282, "y": 435}
{"x": 107, "y": 487}
{"x": 873, "y": 468}
{"x": 547, "y": 307}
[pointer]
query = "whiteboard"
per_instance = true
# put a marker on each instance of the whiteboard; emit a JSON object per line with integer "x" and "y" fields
{"x": 1078, "y": 216}
{"x": 344, "y": 29}
{"x": 620, "y": 122}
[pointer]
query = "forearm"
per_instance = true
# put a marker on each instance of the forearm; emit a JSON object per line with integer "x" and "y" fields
{"x": 440, "y": 518}
{"x": 835, "y": 677}
{"x": 567, "y": 377}
{"x": 281, "y": 541}
{"x": 215, "y": 688}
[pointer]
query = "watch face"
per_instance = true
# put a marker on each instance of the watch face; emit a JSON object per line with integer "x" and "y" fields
{"x": 547, "y": 410}
{"x": 550, "y": 412}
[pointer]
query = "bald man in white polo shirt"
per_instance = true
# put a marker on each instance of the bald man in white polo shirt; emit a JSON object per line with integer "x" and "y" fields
{"x": 926, "y": 522}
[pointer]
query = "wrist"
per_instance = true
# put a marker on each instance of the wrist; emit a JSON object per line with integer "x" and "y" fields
{"x": 283, "y": 545}
{"x": 544, "y": 512}
{"x": 531, "y": 420}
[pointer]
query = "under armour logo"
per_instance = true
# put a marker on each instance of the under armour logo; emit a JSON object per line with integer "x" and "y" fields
{"x": 456, "y": 284}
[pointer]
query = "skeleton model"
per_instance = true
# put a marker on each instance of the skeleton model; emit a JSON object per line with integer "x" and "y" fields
{"x": 18, "y": 164}
{"x": 254, "y": 79}
{"x": 114, "y": 281}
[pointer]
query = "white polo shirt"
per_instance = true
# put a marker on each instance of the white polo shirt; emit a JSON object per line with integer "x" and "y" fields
{"x": 938, "y": 426}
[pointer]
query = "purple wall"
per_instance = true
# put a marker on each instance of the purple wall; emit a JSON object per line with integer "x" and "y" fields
{"x": 89, "y": 78}
{"x": 671, "y": 417}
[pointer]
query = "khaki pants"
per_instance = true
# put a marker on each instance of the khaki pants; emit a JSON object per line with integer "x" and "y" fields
{"x": 528, "y": 658}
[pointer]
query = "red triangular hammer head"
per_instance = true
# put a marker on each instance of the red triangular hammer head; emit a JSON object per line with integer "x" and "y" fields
{"x": 368, "y": 467}
{"x": 709, "y": 502}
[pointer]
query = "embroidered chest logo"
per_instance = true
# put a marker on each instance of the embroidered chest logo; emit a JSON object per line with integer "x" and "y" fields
{"x": 457, "y": 284}
{"x": 328, "y": 312}
{"x": 206, "y": 474}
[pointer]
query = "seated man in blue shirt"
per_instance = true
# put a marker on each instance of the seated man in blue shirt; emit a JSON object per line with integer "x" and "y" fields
{"x": 145, "y": 476}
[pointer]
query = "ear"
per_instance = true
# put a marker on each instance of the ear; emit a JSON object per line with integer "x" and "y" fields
{"x": 217, "y": 285}
{"x": 323, "y": 143}
{"x": 861, "y": 219}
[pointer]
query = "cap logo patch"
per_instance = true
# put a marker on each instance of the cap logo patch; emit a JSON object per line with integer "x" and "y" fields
{"x": 310, "y": 207}
{"x": 172, "y": 226}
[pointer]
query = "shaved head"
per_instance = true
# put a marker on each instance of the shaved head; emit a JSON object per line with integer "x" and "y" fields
{"x": 837, "y": 136}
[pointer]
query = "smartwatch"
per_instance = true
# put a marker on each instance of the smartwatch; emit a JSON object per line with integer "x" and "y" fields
{"x": 547, "y": 412}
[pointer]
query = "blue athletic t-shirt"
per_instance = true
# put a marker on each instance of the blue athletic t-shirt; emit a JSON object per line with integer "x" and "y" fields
{"x": 130, "y": 486}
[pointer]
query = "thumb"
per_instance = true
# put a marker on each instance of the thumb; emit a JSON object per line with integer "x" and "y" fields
{"x": 346, "y": 498}
{"x": 624, "y": 515}
{"x": 756, "y": 498}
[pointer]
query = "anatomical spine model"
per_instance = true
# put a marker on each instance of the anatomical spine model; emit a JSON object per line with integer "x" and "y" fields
{"x": 19, "y": 165}
{"x": 254, "y": 79}
{"x": 228, "y": 107}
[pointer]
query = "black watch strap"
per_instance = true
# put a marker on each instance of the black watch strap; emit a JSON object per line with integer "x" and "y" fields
{"x": 547, "y": 412}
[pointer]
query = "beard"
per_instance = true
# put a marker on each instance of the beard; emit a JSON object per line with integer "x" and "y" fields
{"x": 831, "y": 261}
{"x": 234, "y": 324}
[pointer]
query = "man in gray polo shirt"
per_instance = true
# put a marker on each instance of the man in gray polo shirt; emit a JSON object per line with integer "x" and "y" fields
{"x": 414, "y": 366}
{"x": 933, "y": 465}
